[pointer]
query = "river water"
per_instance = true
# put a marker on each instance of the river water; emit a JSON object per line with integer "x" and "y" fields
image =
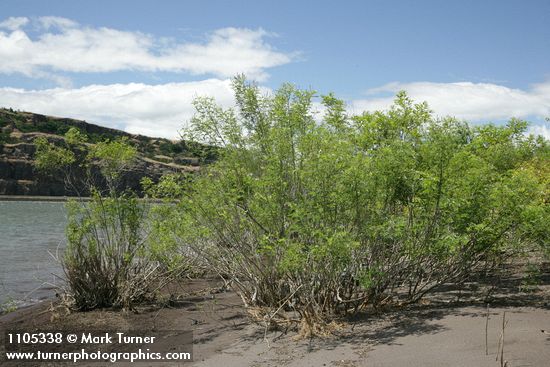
{"x": 31, "y": 236}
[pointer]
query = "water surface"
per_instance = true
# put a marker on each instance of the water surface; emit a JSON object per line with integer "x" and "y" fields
{"x": 31, "y": 234}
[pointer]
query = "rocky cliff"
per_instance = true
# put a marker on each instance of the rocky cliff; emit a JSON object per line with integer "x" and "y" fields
{"x": 18, "y": 175}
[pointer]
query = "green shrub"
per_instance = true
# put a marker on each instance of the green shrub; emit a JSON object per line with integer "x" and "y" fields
{"x": 165, "y": 222}
{"x": 109, "y": 261}
{"x": 106, "y": 262}
{"x": 8, "y": 306}
{"x": 52, "y": 158}
{"x": 113, "y": 158}
{"x": 5, "y": 138}
{"x": 327, "y": 215}
{"x": 4, "y": 121}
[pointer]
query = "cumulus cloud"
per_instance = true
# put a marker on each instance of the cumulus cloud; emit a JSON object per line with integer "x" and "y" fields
{"x": 163, "y": 109}
{"x": 57, "y": 22}
{"x": 542, "y": 130}
{"x": 63, "y": 45}
{"x": 469, "y": 101}
{"x": 153, "y": 110}
{"x": 14, "y": 23}
{"x": 474, "y": 102}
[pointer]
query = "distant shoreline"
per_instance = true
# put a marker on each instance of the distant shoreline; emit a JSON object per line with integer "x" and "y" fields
{"x": 40, "y": 198}
{"x": 57, "y": 199}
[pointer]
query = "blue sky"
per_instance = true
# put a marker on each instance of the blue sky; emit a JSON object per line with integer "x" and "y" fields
{"x": 137, "y": 65}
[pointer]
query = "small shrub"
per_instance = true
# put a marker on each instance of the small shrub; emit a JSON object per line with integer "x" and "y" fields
{"x": 8, "y": 306}
{"x": 5, "y": 138}
{"x": 113, "y": 158}
{"x": 106, "y": 262}
{"x": 52, "y": 158}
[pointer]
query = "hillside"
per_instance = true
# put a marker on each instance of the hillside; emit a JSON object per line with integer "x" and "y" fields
{"x": 18, "y": 130}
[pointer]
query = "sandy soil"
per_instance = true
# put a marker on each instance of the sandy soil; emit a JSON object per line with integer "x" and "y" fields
{"x": 446, "y": 330}
{"x": 446, "y": 337}
{"x": 214, "y": 317}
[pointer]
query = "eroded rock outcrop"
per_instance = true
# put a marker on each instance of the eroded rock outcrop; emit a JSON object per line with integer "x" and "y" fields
{"x": 18, "y": 175}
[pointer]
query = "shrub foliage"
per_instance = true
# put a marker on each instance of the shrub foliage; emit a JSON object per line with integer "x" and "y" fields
{"x": 110, "y": 260}
{"x": 106, "y": 262}
{"x": 325, "y": 213}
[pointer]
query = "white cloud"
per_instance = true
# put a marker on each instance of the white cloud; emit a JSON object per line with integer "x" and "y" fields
{"x": 14, "y": 23}
{"x": 476, "y": 102}
{"x": 153, "y": 110}
{"x": 162, "y": 110}
{"x": 66, "y": 46}
{"x": 542, "y": 130}
{"x": 56, "y": 22}
{"x": 473, "y": 102}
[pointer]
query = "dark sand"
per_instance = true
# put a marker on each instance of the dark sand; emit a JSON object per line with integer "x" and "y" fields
{"x": 421, "y": 339}
{"x": 447, "y": 330}
{"x": 215, "y": 318}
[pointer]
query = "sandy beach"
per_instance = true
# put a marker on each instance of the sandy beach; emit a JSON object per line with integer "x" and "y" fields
{"x": 441, "y": 331}
{"x": 451, "y": 337}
